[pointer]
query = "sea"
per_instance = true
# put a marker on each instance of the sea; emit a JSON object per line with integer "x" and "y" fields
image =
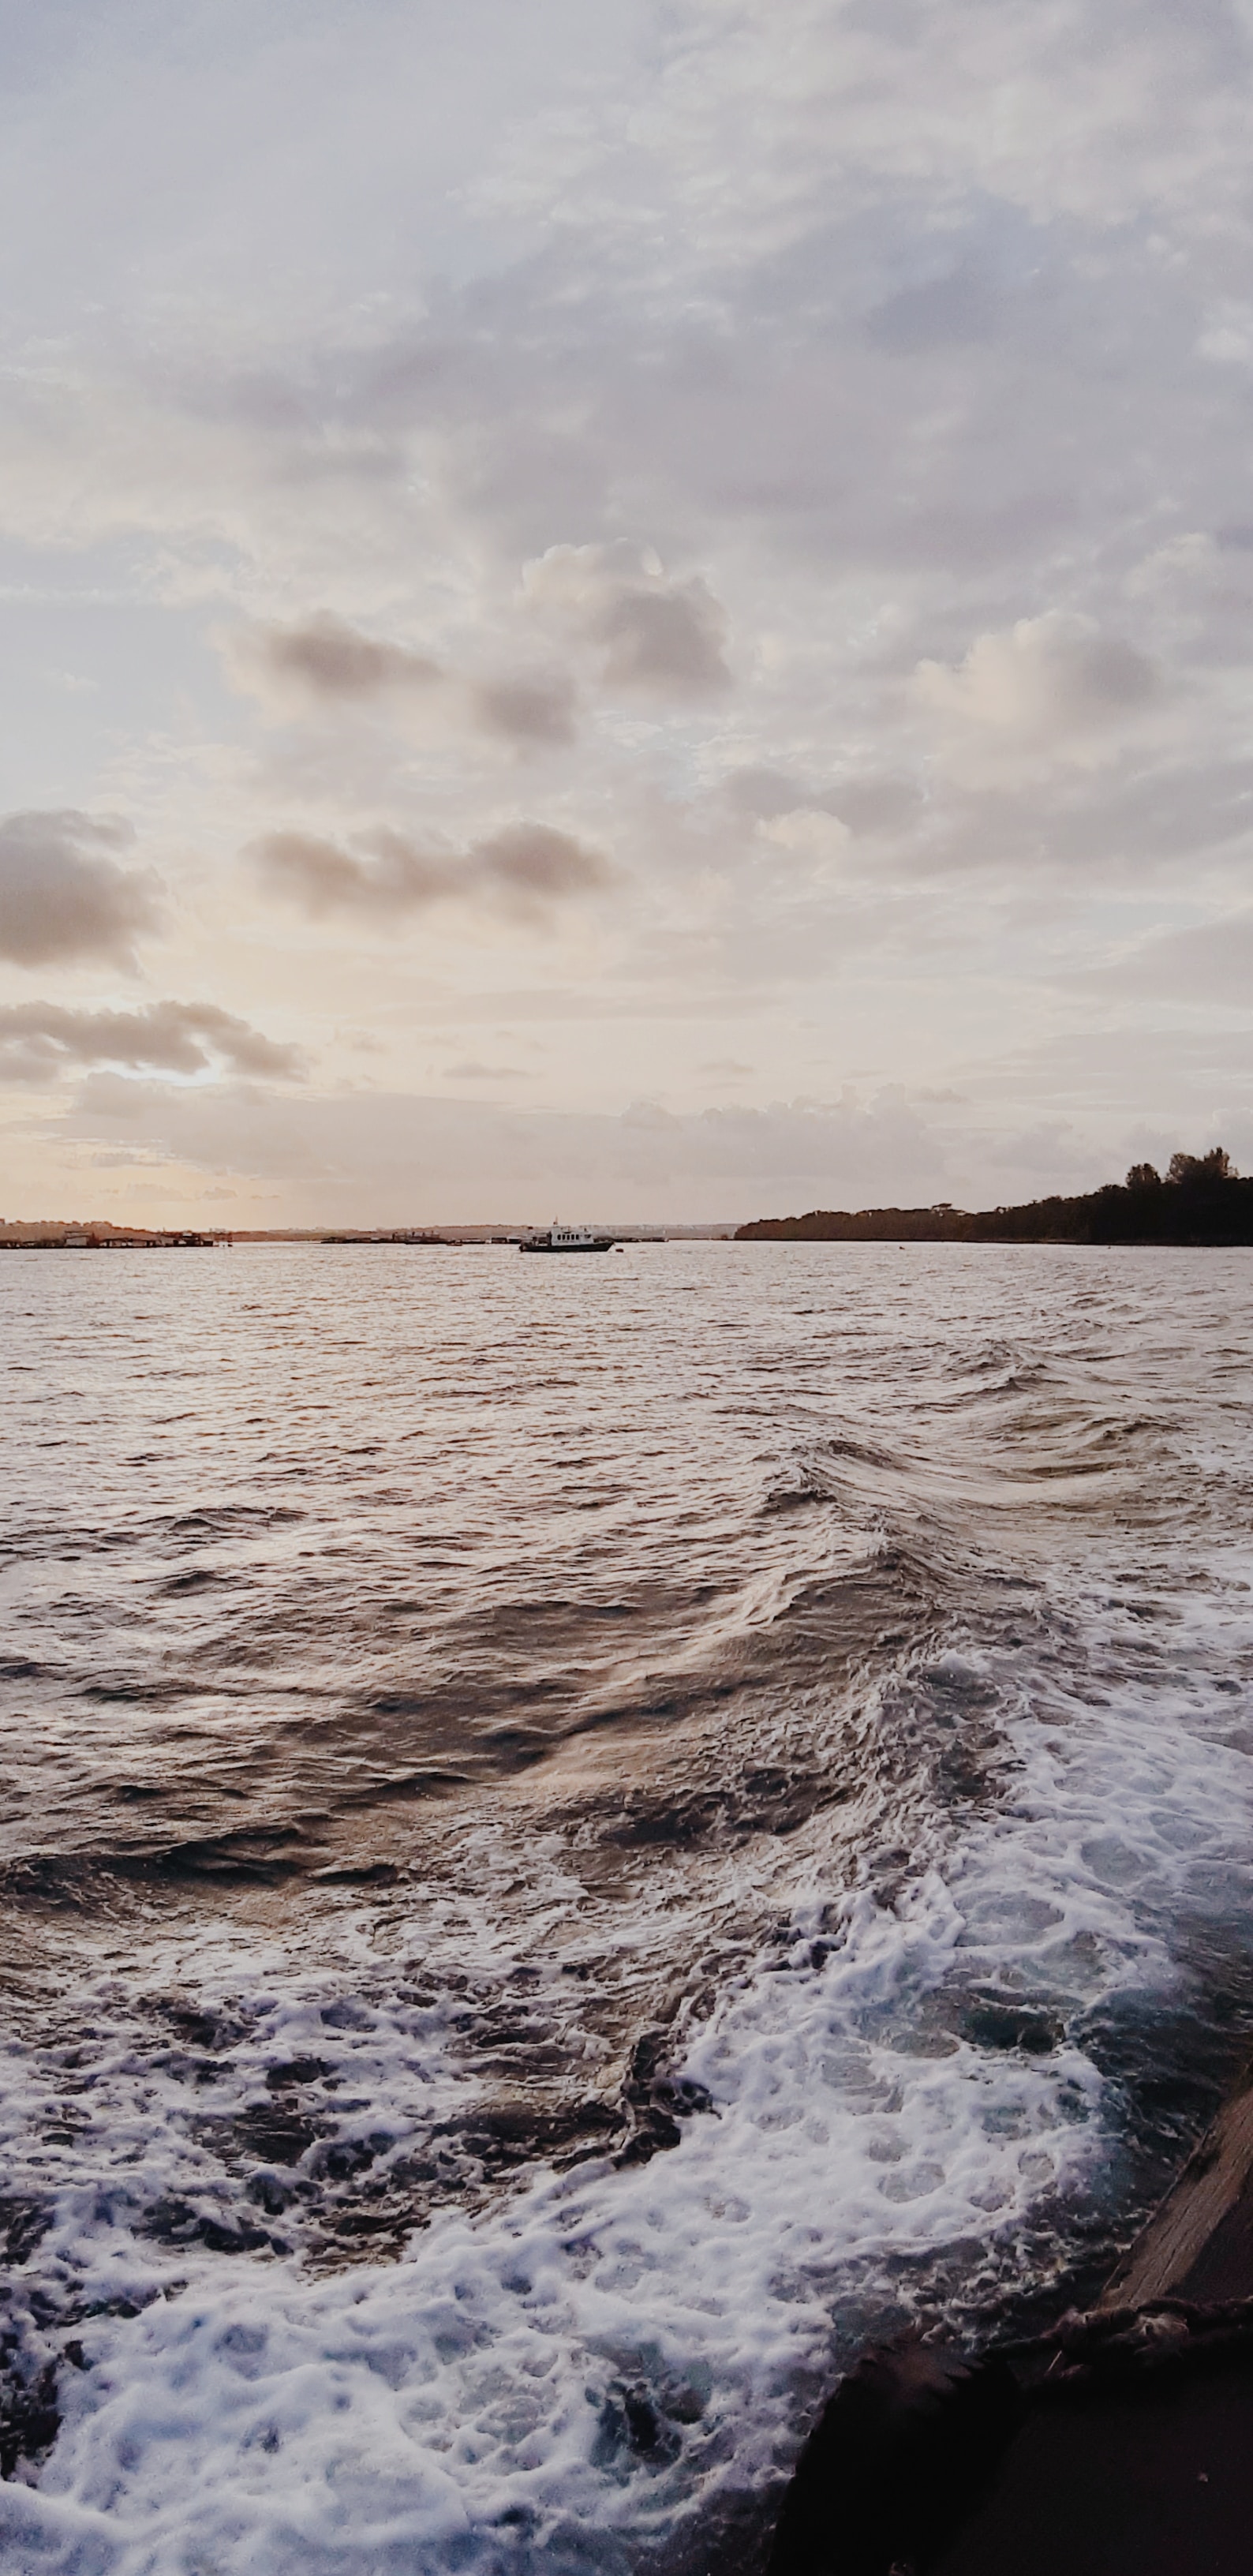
{"x": 579, "y": 1839}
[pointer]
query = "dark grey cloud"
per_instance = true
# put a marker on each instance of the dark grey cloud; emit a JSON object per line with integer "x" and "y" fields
{"x": 960, "y": 305}
{"x": 540, "y": 711}
{"x": 668, "y": 640}
{"x": 875, "y": 803}
{"x": 653, "y": 630}
{"x": 765, "y": 793}
{"x": 324, "y": 662}
{"x": 384, "y": 873}
{"x": 63, "y": 895}
{"x": 532, "y": 859}
{"x": 41, "y": 1040}
{"x": 326, "y": 659}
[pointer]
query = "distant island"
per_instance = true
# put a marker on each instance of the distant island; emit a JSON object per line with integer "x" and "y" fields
{"x": 1202, "y": 1199}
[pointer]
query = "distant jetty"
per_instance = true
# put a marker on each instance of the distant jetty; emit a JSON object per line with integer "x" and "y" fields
{"x": 404, "y": 1234}
{"x": 1201, "y": 1200}
{"x": 76, "y": 1239}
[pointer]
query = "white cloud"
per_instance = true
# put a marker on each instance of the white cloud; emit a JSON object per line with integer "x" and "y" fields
{"x": 1048, "y": 689}
{"x": 809, "y": 832}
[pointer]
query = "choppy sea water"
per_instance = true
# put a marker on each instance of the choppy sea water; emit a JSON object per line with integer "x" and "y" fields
{"x": 578, "y": 1837}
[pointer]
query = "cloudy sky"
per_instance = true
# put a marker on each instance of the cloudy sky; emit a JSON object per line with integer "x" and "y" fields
{"x": 633, "y": 607}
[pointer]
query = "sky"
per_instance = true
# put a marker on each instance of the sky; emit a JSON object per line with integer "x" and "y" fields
{"x": 621, "y": 608}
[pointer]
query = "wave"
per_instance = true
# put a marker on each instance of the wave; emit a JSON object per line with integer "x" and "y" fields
{"x": 555, "y": 2370}
{"x": 635, "y": 1886}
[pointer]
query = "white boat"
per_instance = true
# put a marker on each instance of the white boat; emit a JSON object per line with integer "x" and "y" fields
{"x": 567, "y": 1238}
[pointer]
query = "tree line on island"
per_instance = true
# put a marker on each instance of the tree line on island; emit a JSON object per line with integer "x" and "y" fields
{"x": 1202, "y": 1199}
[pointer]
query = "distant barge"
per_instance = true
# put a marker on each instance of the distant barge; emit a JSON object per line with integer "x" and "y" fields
{"x": 567, "y": 1238}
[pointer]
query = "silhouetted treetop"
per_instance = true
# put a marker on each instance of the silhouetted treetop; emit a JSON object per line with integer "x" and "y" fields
{"x": 1187, "y": 1170}
{"x": 1202, "y": 1200}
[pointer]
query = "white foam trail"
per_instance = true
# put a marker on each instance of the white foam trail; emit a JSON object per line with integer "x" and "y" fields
{"x": 471, "y": 2406}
